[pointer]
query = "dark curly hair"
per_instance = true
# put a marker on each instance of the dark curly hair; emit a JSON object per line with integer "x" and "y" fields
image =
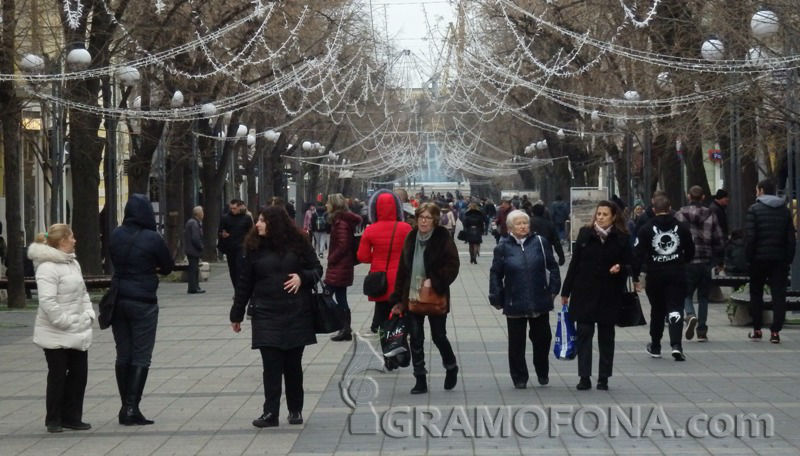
{"x": 282, "y": 233}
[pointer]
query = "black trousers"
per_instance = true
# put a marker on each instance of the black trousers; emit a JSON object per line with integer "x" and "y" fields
{"x": 775, "y": 275}
{"x": 134, "y": 327}
{"x": 286, "y": 364}
{"x": 234, "y": 265}
{"x": 416, "y": 331}
{"x": 605, "y": 345}
{"x": 382, "y": 310}
{"x": 193, "y": 273}
{"x": 540, "y": 336}
{"x": 66, "y": 383}
{"x": 666, "y": 292}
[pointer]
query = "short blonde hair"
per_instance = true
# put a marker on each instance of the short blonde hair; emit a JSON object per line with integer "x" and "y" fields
{"x": 54, "y": 235}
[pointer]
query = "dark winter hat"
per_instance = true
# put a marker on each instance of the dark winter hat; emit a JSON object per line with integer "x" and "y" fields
{"x": 720, "y": 194}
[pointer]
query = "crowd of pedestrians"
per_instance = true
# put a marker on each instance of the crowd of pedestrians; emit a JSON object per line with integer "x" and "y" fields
{"x": 274, "y": 264}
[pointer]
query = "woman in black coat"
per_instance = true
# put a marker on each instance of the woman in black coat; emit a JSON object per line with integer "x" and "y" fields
{"x": 474, "y": 223}
{"x": 594, "y": 287}
{"x": 279, "y": 271}
{"x": 138, "y": 254}
{"x": 438, "y": 268}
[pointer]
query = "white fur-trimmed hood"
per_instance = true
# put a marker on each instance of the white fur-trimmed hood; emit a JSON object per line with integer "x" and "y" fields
{"x": 42, "y": 253}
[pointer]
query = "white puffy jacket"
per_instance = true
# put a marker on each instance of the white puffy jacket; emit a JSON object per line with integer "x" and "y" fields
{"x": 65, "y": 315}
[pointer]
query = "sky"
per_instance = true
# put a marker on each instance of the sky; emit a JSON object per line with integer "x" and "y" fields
{"x": 407, "y": 27}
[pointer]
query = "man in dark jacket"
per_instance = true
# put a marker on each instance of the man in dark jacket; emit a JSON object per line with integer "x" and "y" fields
{"x": 708, "y": 253}
{"x": 193, "y": 244}
{"x": 560, "y": 213}
{"x": 770, "y": 248}
{"x": 719, "y": 207}
{"x": 500, "y": 221}
{"x": 545, "y": 228}
{"x": 138, "y": 253}
{"x": 664, "y": 245}
{"x": 234, "y": 227}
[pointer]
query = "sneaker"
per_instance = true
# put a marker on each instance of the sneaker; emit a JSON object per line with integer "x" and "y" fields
{"x": 677, "y": 353}
{"x": 653, "y": 350}
{"x": 690, "y": 325}
{"x": 702, "y": 335}
{"x": 774, "y": 337}
{"x": 756, "y": 334}
{"x": 520, "y": 385}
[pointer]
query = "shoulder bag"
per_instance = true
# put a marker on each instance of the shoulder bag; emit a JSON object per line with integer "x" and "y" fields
{"x": 630, "y": 309}
{"x": 326, "y": 316}
{"x": 109, "y": 299}
{"x": 376, "y": 283}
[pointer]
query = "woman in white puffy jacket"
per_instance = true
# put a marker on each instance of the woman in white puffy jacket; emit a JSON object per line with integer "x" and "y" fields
{"x": 63, "y": 326}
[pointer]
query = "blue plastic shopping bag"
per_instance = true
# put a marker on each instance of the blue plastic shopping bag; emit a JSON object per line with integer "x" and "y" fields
{"x": 564, "y": 347}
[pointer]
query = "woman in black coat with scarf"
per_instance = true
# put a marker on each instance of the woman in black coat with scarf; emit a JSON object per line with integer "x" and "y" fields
{"x": 429, "y": 255}
{"x": 594, "y": 286}
{"x": 280, "y": 269}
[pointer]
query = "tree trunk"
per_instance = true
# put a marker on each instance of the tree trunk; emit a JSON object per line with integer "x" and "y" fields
{"x": 11, "y": 119}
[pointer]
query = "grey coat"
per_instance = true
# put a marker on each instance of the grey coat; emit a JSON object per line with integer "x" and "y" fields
{"x": 193, "y": 237}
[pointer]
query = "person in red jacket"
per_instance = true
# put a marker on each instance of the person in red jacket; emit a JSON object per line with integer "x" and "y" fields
{"x": 341, "y": 260}
{"x": 386, "y": 215}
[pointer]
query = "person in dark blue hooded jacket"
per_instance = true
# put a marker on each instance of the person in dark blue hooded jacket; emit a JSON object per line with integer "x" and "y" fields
{"x": 138, "y": 254}
{"x": 519, "y": 284}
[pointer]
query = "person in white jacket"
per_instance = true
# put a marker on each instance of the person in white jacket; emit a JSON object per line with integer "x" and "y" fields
{"x": 63, "y": 326}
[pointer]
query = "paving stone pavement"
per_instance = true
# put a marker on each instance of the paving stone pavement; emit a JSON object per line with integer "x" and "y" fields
{"x": 205, "y": 388}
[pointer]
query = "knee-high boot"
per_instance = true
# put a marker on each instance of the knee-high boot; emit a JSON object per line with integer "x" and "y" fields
{"x": 137, "y": 377}
{"x": 121, "y": 372}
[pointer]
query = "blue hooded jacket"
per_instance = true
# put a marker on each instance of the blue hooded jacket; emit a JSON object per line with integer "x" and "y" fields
{"x": 518, "y": 279}
{"x": 137, "y": 260}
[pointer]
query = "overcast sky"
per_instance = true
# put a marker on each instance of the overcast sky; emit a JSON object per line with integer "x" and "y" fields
{"x": 405, "y": 21}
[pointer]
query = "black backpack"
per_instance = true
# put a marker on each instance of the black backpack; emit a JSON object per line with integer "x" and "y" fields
{"x": 320, "y": 222}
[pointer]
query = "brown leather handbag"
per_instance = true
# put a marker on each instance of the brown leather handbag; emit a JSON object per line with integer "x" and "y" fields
{"x": 429, "y": 303}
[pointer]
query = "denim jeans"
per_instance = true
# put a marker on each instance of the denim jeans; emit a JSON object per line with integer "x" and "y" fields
{"x": 698, "y": 277}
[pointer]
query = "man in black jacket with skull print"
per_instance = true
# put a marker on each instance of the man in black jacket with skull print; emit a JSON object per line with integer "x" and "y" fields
{"x": 665, "y": 246}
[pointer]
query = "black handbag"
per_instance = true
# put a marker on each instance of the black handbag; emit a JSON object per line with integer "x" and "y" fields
{"x": 106, "y": 307}
{"x": 326, "y": 315}
{"x": 109, "y": 300}
{"x": 376, "y": 283}
{"x": 630, "y": 310}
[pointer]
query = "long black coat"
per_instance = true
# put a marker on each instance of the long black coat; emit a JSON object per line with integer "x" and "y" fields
{"x": 596, "y": 294}
{"x": 137, "y": 260}
{"x": 280, "y": 319}
{"x": 473, "y": 226}
{"x": 441, "y": 265}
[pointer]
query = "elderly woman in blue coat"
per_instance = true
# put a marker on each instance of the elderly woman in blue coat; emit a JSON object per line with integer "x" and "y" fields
{"x": 523, "y": 281}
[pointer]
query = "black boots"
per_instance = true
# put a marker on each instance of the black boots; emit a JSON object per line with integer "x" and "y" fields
{"x": 451, "y": 378}
{"x": 136, "y": 377}
{"x": 295, "y": 418}
{"x": 268, "y": 419}
{"x": 421, "y": 386}
{"x": 345, "y": 333}
{"x": 584, "y": 384}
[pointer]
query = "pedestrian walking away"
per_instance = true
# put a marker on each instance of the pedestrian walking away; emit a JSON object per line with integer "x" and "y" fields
{"x": 321, "y": 229}
{"x": 594, "y": 288}
{"x": 63, "y": 326}
{"x": 474, "y": 227}
{"x": 193, "y": 244}
{"x": 545, "y": 228}
{"x": 429, "y": 259}
{"x": 770, "y": 249}
{"x": 138, "y": 254}
{"x": 709, "y": 249}
{"x": 381, "y": 249}
{"x": 341, "y": 260}
{"x": 279, "y": 271}
{"x": 664, "y": 246}
{"x": 523, "y": 281}
{"x": 232, "y": 229}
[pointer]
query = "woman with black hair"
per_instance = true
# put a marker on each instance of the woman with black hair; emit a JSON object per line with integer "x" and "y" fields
{"x": 280, "y": 269}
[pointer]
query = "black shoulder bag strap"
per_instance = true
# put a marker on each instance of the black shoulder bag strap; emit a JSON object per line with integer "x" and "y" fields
{"x": 391, "y": 244}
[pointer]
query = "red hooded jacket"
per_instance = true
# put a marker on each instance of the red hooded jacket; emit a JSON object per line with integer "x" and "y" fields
{"x": 384, "y": 210}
